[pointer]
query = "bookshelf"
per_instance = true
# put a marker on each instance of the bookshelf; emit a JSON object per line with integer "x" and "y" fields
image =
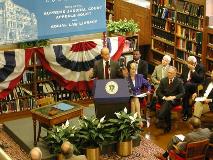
{"x": 177, "y": 29}
{"x": 209, "y": 50}
{"x": 109, "y": 9}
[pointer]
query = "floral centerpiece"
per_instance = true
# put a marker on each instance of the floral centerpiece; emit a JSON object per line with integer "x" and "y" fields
{"x": 57, "y": 135}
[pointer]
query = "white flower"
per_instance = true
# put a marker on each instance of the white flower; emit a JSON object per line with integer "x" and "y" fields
{"x": 132, "y": 119}
{"x": 67, "y": 123}
{"x": 117, "y": 114}
{"x": 102, "y": 119}
{"x": 63, "y": 126}
{"x": 125, "y": 110}
{"x": 135, "y": 115}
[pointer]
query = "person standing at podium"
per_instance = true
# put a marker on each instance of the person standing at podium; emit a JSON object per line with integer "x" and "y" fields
{"x": 105, "y": 68}
{"x": 136, "y": 83}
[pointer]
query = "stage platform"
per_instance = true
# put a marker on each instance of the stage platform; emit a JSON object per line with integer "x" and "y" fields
{"x": 21, "y": 130}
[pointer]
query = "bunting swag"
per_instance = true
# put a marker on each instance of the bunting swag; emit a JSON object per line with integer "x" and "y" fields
{"x": 70, "y": 63}
{"x": 12, "y": 66}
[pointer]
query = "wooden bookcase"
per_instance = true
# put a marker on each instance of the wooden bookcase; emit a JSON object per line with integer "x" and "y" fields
{"x": 178, "y": 28}
{"x": 109, "y": 9}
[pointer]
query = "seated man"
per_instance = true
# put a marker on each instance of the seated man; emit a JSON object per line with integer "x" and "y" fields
{"x": 196, "y": 134}
{"x": 159, "y": 73}
{"x": 67, "y": 151}
{"x": 141, "y": 65}
{"x": 192, "y": 74}
{"x": 169, "y": 93}
{"x": 35, "y": 154}
{"x": 206, "y": 104}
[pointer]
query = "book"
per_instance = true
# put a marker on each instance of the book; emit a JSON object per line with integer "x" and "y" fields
{"x": 63, "y": 106}
{"x": 180, "y": 136}
{"x": 200, "y": 99}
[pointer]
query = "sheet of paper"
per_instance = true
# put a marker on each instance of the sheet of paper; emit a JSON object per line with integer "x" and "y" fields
{"x": 140, "y": 95}
{"x": 180, "y": 136}
{"x": 200, "y": 99}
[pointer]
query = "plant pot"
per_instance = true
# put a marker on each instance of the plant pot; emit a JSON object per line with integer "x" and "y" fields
{"x": 129, "y": 34}
{"x": 124, "y": 148}
{"x": 93, "y": 153}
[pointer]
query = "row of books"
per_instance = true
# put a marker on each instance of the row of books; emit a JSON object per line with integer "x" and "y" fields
{"x": 130, "y": 45}
{"x": 168, "y": 3}
{"x": 42, "y": 74}
{"x": 210, "y": 39}
{"x": 162, "y": 47}
{"x": 164, "y": 13}
{"x": 209, "y": 65}
{"x": 189, "y": 34}
{"x": 209, "y": 52}
{"x": 190, "y": 8}
{"x": 179, "y": 66}
{"x": 17, "y": 105}
{"x": 28, "y": 77}
{"x": 165, "y": 35}
{"x": 162, "y": 24}
{"x": 188, "y": 46}
{"x": 190, "y": 21}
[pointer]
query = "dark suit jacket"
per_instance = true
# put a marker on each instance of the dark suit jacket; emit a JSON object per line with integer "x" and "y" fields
{"x": 99, "y": 69}
{"x": 142, "y": 67}
{"x": 197, "y": 76}
{"x": 176, "y": 89}
{"x": 210, "y": 96}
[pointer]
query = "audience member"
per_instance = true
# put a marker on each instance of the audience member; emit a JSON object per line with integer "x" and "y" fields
{"x": 136, "y": 82}
{"x": 141, "y": 65}
{"x": 105, "y": 68}
{"x": 192, "y": 75}
{"x": 35, "y": 154}
{"x": 169, "y": 92}
{"x": 159, "y": 73}
{"x": 196, "y": 134}
{"x": 67, "y": 151}
{"x": 205, "y": 103}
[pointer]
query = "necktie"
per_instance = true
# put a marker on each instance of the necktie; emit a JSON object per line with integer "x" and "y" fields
{"x": 170, "y": 82}
{"x": 107, "y": 70}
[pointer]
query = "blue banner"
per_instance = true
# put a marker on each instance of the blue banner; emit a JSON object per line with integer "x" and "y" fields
{"x": 27, "y": 20}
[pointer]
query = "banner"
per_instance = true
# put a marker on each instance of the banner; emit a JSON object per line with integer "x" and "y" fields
{"x": 27, "y": 20}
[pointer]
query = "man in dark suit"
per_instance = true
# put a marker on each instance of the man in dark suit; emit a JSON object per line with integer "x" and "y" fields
{"x": 192, "y": 75}
{"x": 169, "y": 92}
{"x": 142, "y": 66}
{"x": 105, "y": 68}
{"x": 196, "y": 134}
{"x": 206, "y": 105}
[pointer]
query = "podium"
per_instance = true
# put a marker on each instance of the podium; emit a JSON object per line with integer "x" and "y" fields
{"x": 111, "y": 95}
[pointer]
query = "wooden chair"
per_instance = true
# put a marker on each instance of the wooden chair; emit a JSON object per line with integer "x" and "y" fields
{"x": 194, "y": 151}
{"x": 42, "y": 102}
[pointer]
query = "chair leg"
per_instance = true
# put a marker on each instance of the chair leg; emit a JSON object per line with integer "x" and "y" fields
{"x": 39, "y": 132}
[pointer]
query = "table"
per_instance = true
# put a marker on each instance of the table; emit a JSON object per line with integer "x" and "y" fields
{"x": 41, "y": 115}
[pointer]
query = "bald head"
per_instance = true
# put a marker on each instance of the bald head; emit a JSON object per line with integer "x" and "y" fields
{"x": 105, "y": 53}
{"x": 67, "y": 149}
{"x": 35, "y": 154}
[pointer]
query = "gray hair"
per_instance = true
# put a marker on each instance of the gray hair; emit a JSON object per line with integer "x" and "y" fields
{"x": 192, "y": 59}
{"x": 173, "y": 68}
{"x": 167, "y": 58}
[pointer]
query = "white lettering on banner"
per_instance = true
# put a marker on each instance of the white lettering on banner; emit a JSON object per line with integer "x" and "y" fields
{"x": 58, "y": 26}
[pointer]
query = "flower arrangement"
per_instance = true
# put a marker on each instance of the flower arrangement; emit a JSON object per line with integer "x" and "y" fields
{"x": 122, "y": 26}
{"x": 57, "y": 135}
{"x": 127, "y": 125}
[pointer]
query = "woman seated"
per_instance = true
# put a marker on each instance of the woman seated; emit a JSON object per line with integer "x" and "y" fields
{"x": 136, "y": 82}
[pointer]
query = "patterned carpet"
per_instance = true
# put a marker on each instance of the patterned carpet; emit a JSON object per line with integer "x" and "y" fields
{"x": 145, "y": 151}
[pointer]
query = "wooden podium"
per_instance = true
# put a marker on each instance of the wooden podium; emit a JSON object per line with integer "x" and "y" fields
{"x": 111, "y": 96}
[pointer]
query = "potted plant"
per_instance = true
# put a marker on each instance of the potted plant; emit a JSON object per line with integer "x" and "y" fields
{"x": 90, "y": 136}
{"x": 57, "y": 135}
{"x": 128, "y": 127}
{"x": 122, "y": 27}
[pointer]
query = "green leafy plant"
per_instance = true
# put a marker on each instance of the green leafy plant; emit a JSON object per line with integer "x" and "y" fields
{"x": 30, "y": 44}
{"x": 127, "y": 125}
{"x": 57, "y": 135}
{"x": 122, "y": 26}
{"x": 91, "y": 133}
